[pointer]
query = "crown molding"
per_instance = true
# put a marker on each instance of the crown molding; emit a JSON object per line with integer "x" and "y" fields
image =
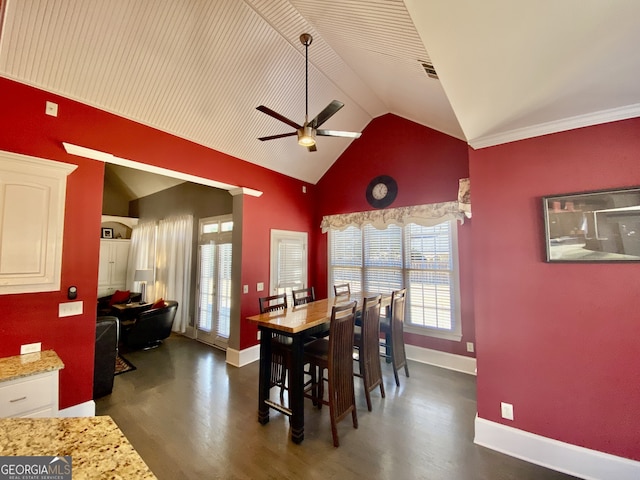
{"x": 571, "y": 123}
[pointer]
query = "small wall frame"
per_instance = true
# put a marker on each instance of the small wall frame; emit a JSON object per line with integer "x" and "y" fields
{"x": 107, "y": 233}
{"x": 596, "y": 226}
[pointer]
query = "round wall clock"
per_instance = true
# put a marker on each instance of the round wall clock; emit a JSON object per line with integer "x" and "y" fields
{"x": 382, "y": 191}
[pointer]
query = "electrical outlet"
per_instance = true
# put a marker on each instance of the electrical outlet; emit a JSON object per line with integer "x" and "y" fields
{"x": 259, "y": 335}
{"x": 30, "y": 348}
{"x": 507, "y": 410}
{"x": 69, "y": 309}
{"x": 245, "y": 289}
{"x": 470, "y": 347}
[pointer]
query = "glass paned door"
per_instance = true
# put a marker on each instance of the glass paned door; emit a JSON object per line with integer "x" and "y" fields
{"x": 214, "y": 281}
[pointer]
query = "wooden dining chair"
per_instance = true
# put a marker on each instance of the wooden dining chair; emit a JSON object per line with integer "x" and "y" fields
{"x": 342, "y": 289}
{"x": 393, "y": 328}
{"x": 367, "y": 342}
{"x": 303, "y": 296}
{"x": 280, "y": 344}
{"x": 335, "y": 356}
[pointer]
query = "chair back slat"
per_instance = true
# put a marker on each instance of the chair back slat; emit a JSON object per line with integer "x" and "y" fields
{"x": 303, "y": 296}
{"x": 370, "y": 341}
{"x": 273, "y": 303}
{"x": 340, "y": 360}
{"x": 398, "y": 298}
{"x": 342, "y": 289}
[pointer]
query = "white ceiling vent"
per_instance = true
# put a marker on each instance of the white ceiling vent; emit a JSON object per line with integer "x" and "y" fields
{"x": 428, "y": 67}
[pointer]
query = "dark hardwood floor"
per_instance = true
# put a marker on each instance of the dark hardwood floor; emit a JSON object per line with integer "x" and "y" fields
{"x": 191, "y": 416}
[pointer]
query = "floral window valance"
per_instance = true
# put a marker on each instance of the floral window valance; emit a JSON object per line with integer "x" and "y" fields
{"x": 425, "y": 215}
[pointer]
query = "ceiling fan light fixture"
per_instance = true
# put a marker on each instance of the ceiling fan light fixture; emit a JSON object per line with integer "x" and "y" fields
{"x": 306, "y": 136}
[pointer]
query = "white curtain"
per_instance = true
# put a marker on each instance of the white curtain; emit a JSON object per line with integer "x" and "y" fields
{"x": 142, "y": 254}
{"x": 173, "y": 265}
{"x": 425, "y": 215}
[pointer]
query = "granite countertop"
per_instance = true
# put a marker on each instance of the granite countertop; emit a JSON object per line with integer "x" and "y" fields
{"x": 29, "y": 364}
{"x": 98, "y": 448}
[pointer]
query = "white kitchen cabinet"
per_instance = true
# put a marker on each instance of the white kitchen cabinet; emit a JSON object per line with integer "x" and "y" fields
{"x": 32, "y": 396}
{"x": 29, "y": 385}
{"x": 112, "y": 271}
{"x": 32, "y": 200}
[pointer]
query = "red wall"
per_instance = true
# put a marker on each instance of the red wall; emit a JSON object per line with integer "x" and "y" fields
{"x": 426, "y": 166}
{"x": 558, "y": 341}
{"x": 260, "y": 216}
{"x": 24, "y": 128}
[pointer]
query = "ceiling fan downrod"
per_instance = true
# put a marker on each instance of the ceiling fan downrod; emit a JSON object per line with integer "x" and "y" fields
{"x": 306, "y": 40}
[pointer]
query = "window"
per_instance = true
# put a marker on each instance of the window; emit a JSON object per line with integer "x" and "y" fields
{"x": 424, "y": 259}
{"x": 288, "y": 262}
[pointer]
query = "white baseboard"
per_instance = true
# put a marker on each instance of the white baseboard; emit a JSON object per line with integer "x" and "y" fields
{"x": 563, "y": 457}
{"x": 86, "y": 409}
{"x": 450, "y": 361}
{"x": 240, "y": 358}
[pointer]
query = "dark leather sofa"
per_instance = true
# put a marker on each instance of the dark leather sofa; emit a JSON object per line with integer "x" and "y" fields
{"x": 104, "y": 362}
{"x": 150, "y": 327}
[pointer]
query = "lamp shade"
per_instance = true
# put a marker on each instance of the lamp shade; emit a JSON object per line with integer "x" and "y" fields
{"x": 143, "y": 276}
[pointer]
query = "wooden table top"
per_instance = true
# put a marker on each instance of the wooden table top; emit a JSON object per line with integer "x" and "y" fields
{"x": 302, "y": 317}
{"x": 126, "y": 306}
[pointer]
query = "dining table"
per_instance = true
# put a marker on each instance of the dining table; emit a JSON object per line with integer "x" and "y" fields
{"x": 300, "y": 323}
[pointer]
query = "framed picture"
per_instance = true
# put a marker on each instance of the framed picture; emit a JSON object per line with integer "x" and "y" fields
{"x": 598, "y": 226}
{"x": 107, "y": 233}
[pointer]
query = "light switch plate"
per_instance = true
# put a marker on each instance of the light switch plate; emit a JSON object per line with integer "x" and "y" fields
{"x": 260, "y": 286}
{"x": 69, "y": 309}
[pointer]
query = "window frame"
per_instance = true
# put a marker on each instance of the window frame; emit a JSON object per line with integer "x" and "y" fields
{"x": 455, "y": 334}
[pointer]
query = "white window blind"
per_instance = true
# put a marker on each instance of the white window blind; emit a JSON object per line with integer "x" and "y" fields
{"x": 206, "y": 284}
{"x": 430, "y": 272}
{"x": 422, "y": 259}
{"x": 288, "y": 262}
{"x": 290, "y": 258}
{"x": 345, "y": 257}
{"x": 382, "y": 259}
{"x": 225, "y": 251}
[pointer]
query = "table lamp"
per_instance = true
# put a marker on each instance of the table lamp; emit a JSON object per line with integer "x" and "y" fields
{"x": 143, "y": 276}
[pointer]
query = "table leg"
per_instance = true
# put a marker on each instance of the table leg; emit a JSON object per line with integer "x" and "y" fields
{"x": 265, "y": 376}
{"x": 297, "y": 390}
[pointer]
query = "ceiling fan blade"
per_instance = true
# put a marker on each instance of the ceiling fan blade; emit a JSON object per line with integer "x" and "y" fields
{"x": 337, "y": 133}
{"x": 312, "y": 148}
{"x": 282, "y": 135}
{"x": 277, "y": 116}
{"x": 326, "y": 114}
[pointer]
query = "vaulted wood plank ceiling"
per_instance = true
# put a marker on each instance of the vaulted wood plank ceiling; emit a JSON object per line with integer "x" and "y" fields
{"x": 197, "y": 69}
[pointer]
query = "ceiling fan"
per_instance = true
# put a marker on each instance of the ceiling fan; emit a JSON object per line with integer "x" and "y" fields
{"x": 307, "y": 132}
